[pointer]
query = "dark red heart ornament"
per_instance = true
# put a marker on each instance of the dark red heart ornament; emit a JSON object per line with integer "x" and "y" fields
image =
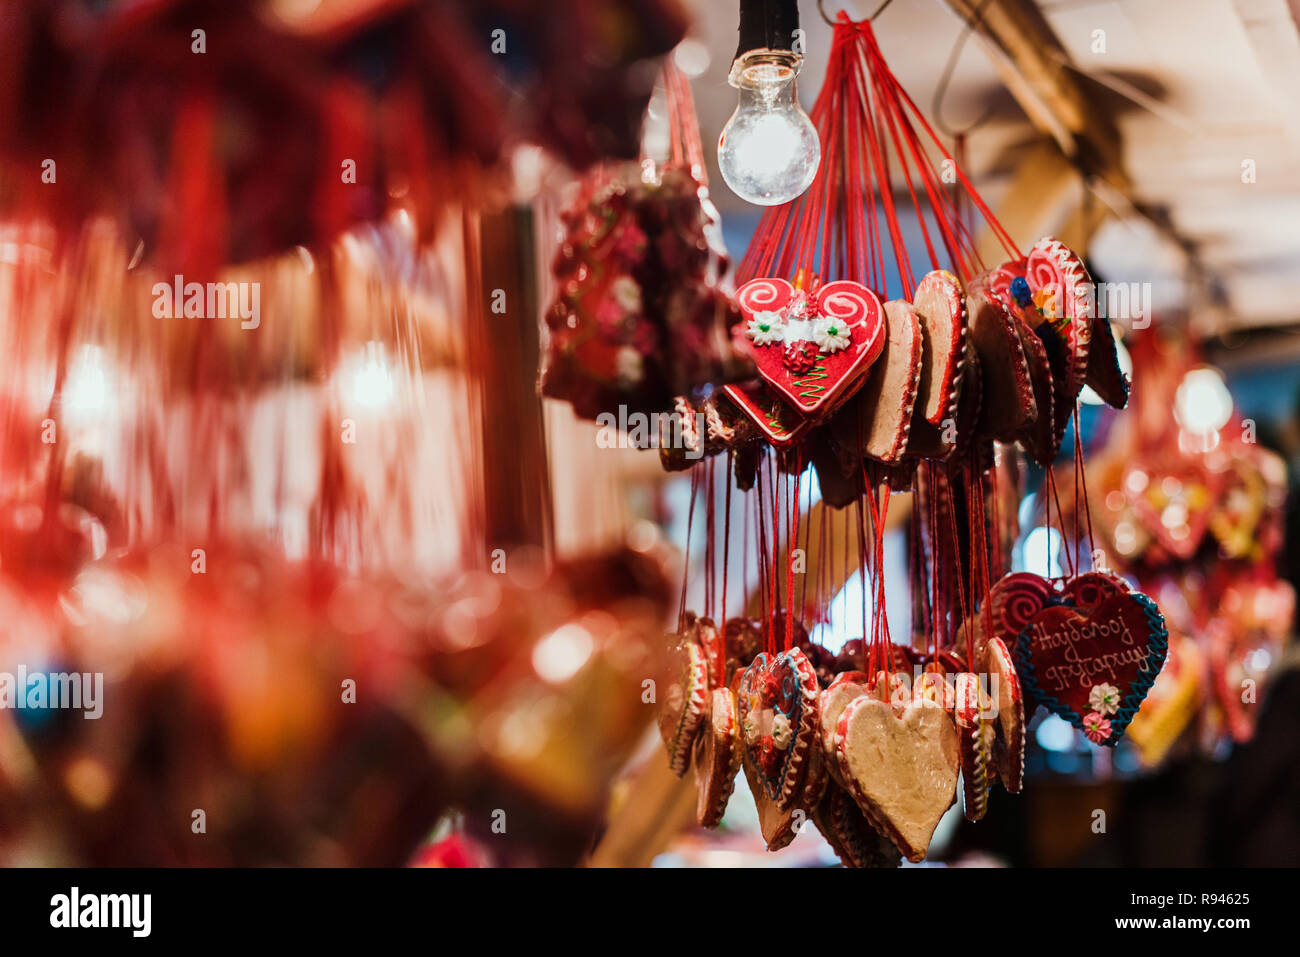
{"x": 813, "y": 347}
{"x": 1093, "y": 666}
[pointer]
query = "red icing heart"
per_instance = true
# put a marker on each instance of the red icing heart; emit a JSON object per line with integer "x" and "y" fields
{"x": 784, "y": 325}
{"x": 1116, "y": 646}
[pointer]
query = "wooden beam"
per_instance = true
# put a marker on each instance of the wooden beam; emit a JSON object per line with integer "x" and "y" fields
{"x": 1036, "y": 69}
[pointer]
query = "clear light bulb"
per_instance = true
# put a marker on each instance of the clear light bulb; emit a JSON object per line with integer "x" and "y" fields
{"x": 769, "y": 151}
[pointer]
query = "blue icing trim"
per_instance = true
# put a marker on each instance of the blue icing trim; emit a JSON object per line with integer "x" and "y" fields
{"x": 1157, "y": 649}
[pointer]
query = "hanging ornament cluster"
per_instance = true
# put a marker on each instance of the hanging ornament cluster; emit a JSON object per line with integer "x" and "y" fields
{"x": 1190, "y": 506}
{"x": 642, "y": 314}
{"x": 882, "y": 380}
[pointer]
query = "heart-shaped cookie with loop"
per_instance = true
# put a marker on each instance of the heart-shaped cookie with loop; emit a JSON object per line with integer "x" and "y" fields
{"x": 812, "y": 347}
{"x": 1093, "y": 666}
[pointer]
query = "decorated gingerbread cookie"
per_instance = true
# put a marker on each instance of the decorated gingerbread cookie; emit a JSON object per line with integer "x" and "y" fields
{"x": 1016, "y": 598}
{"x": 1092, "y": 588}
{"x": 813, "y": 348}
{"x": 778, "y": 701}
{"x": 883, "y": 408}
{"x": 780, "y": 424}
{"x": 941, "y": 308}
{"x": 850, "y": 834}
{"x": 1008, "y": 404}
{"x": 684, "y": 702}
{"x": 1093, "y": 666}
{"x": 901, "y": 771}
{"x": 1104, "y": 374}
{"x": 717, "y": 758}
{"x": 1040, "y": 439}
{"x": 952, "y": 435}
{"x": 778, "y": 826}
{"x": 833, "y": 701}
{"x": 1009, "y": 749}
{"x": 1063, "y": 294}
{"x": 975, "y": 730}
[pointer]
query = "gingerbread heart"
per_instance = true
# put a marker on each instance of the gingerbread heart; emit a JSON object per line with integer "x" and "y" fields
{"x": 1015, "y": 599}
{"x": 717, "y": 758}
{"x": 884, "y": 405}
{"x": 975, "y": 730}
{"x": 1093, "y": 666}
{"x": 850, "y": 834}
{"x": 833, "y": 702}
{"x": 1092, "y": 588}
{"x": 778, "y": 826}
{"x": 901, "y": 771}
{"x": 1105, "y": 375}
{"x": 1055, "y": 293}
{"x": 941, "y": 308}
{"x": 813, "y": 348}
{"x": 779, "y": 422}
{"x": 952, "y": 435}
{"x": 1063, "y": 294}
{"x": 1040, "y": 438}
{"x": 778, "y": 699}
{"x": 684, "y": 704}
{"x": 841, "y": 482}
{"x": 1009, "y": 745}
{"x": 1008, "y": 404}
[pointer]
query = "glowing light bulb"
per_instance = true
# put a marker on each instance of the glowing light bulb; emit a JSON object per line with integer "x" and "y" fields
{"x": 769, "y": 150}
{"x": 368, "y": 376}
{"x": 1203, "y": 403}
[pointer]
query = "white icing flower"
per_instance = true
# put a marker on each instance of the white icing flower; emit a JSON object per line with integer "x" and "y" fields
{"x": 781, "y": 733}
{"x": 626, "y": 293}
{"x": 765, "y": 328}
{"x": 629, "y": 366}
{"x": 751, "y": 730}
{"x": 831, "y": 335}
{"x": 1104, "y": 698}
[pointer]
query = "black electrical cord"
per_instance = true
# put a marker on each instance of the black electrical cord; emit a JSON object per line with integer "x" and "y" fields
{"x": 767, "y": 25}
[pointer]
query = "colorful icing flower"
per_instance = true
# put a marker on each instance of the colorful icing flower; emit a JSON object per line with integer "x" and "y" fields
{"x": 800, "y": 357}
{"x": 1104, "y": 698}
{"x": 831, "y": 335}
{"x": 1096, "y": 726}
{"x": 781, "y": 733}
{"x": 751, "y": 730}
{"x": 1045, "y": 301}
{"x": 768, "y": 756}
{"x": 766, "y": 328}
